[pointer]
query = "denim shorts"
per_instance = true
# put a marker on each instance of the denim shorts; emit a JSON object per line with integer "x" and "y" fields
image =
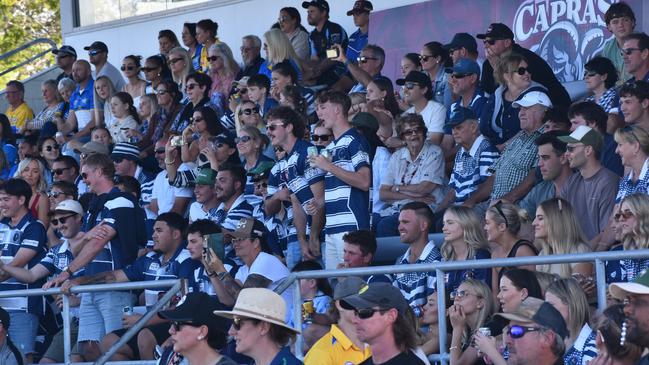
{"x": 101, "y": 313}
{"x": 22, "y": 330}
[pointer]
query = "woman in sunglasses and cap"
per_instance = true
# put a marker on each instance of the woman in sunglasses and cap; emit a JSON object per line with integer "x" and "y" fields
{"x": 258, "y": 327}
{"x": 196, "y": 333}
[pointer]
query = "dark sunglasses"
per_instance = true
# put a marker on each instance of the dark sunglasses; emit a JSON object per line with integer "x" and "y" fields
{"x": 52, "y": 147}
{"x": 127, "y": 68}
{"x": 492, "y": 41}
{"x": 522, "y": 70}
{"x": 249, "y": 111}
{"x": 93, "y": 53}
{"x": 190, "y": 86}
{"x": 242, "y": 139}
{"x": 60, "y": 171}
{"x": 237, "y": 322}
{"x": 520, "y": 331}
{"x": 500, "y": 212}
{"x": 54, "y": 194}
{"x": 410, "y": 85}
{"x": 261, "y": 185}
{"x": 424, "y": 58}
{"x": 159, "y": 151}
{"x": 459, "y": 76}
{"x": 623, "y": 214}
{"x": 62, "y": 220}
{"x": 177, "y": 326}
{"x": 628, "y": 51}
{"x": 272, "y": 127}
{"x": 174, "y": 60}
{"x": 413, "y": 132}
{"x": 364, "y": 59}
{"x": 213, "y": 58}
{"x": 118, "y": 160}
{"x": 161, "y": 92}
{"x": 320, "y": 137}
{"x": 148, "y": 69}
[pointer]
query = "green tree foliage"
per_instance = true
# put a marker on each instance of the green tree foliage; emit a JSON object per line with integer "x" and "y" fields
{"x": 23, "y": 21}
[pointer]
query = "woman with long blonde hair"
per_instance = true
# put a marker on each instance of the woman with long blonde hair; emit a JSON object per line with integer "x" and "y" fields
{"x": 464, "y": 239}
{"x": 278, "y": 48}
{"x": 32, "y": 170}
{"x": 180, "y": 64}
{"x": 558, "y": 232}
{"x": 633, "y": 222}
{"x": 223, "y": 70}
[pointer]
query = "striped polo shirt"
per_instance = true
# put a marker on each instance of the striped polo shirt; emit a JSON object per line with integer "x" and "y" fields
{"x": 240, "y": 209}
{"x": 58, "y": 258}
{"x": 471, "y": 168}
{"x": 417, "y": 286}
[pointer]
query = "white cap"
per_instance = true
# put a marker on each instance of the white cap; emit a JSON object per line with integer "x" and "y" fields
{"x": 533, "y": 98}
{"x": 70, "y": 206}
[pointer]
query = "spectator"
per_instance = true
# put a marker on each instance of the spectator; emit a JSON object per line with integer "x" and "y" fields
{"x": 367, "y": 67}
{"x": 415, "y": 221}
{"x": 114, "y": 228}
{"x": 196, "y": 334}
{"x": 499, "y": 120}
{"x": 205, "y": 195}
{"x": 299, "y": 186}
{"x": 8, "y": 141}
{"x": 198, "y": 88}
{"x": 317, "y": 291}
{"x": 434, "y": 61}
{"x": 556, "y": 120}
{"x": 634, "y": 294}
{"x": 32, "y": 170}
{"x": 390, "y": 335}
{"x": 98, "y": 56}
{"x": 514, "y": 180}
{"x": 230, "y": 182}
{"x": 464, "y": 240}
{"x": 463, "y": 45}
{"x": 125, "y": 117}
{"x": 21, "y": 250}
{"x": 251, "y": 56}
{"x": 358, "y": 39}
{"x": 409, "y": 62}
{"x": 634, "y": 54}
{"x": 91, "y": 148}
{"x": 60, "y": 191}
{"x": 11, "y": 355}
{"x": 418, "y": 92}
{"x": 49, "y": 151}
{"x": 125, "y": 157}
{"x": 54, "y": 106}
{"x": 633, "y": 148}
{"x": 359, "y": 251}
{"x": 247, "y": 114}
{"x": 498, "y": 42}
{"x": 104, "y": 91}
{"x": 65, "y": 58}
{"x": 600, "y": 78}
{"x": 591, "y": 190}
{"x": 347, "y": 170}
{"x": 381, "y": 91}
{"x": 27, "y": 147}
{"x": 567, "y": 297}
{"x": 430, "y": 318}
{"x": 631, "y": 219}
{"x": 472, "y": 161}
{"x": 589, "y": 114}
{"x": 557, "y": 229}
{"x": 82, "y": 106}
{"x": 194, "y": 48}
{"x": 290, "y": 22}
{"x": 324, "y": 36}
{"x": 66, "y": 168}
{"x": 341, "y": 343}
{"x": 463, "y": 80}
{"x": 620, "y": 21}
{"x": 633, "y": 103}
{"x": 180, "y": 66}
{"x": 165, "y": 197}
{"x": 156, "y": 71}
{"x": 149, "y": 117}
{"x": 259, "y": 93}
{"x": 278, "y": 49}
{"x": 223, "y": 70}
{"x": 168, "y": 97}
{"x": 167, "y": 41}
{"x": 472, "y": 308}
{"x": 206, "y": 31}
{"x": 251, "y": 144}
{"x": 283, "y": 75}
{"x": 609, "y": 331}
{"x": 18, "y": 112}
{"x": 262, "y": 310}
{"x": 135, "y": 86}
{"x": 516, "y": 285}
{"x": 205, "y": 123}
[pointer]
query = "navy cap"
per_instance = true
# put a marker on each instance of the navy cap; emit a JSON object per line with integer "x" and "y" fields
{"x": 464, "y": 66}
{"x": 66, "y": 50}
{"x": 97, "y": 46}
{"x": 463, "y": 40}
{"x": 361, "y": 6}
{"x": 497, "y": 31}
{"x": 458, "y": 115}
{"x": 320, "y": 4}
{"x": 416, "y": 76}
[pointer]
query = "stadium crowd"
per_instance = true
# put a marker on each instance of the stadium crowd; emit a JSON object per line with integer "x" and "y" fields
{"x": 189, "y": 165}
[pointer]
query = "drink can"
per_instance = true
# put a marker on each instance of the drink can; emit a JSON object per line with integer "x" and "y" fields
{"x": 312, "y": 151}
{"x": 485, "y": 331}
{"x": 325, "y": 153}
{"x": 307, "y": 310}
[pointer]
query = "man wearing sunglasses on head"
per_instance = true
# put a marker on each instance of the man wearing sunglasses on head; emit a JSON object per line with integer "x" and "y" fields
{"x": 535, "y": 335}
{"x": 499, "y": 41}
{"x": 98, "y": 56}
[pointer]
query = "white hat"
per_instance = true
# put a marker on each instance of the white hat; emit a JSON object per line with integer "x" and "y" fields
{"x": 70, "y": 206}
{"x": 533, "y": 98}
{"x": 259, "y": 303}
{"x": 639, "y": 286}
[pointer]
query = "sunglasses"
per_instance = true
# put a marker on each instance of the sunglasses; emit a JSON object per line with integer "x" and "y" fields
{"x": 159, "y": 151}
{"x": 623, "y": 214}
{"x": 60, "y": 171}
{"x": 118, "y": 160}
{"x": 213, "y": 58}
{"x": 249, "y": 111}
{"x": 520, "y": 331}
{"x": 174, "y": 60}
{"x": 177, "y": 326}
{"x": 424, "y": 58}
{"x": 500, "y": 212}
{"x": 364, "y": 59}
{"x": 282, "y": 19}
{"x": 161, "y": 92}
{"x": 54, "y": 194}
{"x": 148, "y": 69}
{"x": 410, "y": 85}
{"x": 261, "y": 185}
{"x": 60, "y": 55}
{"x": 491, "y": 41}
{"x": 459, "y": 76}
{"x": 190, "y": 86}
{"x": 127, "y": 68}
{"x": 219, "y": 145}
{"x": 628, "y": 51}
{"x": 93, "y": 53}
{"x": 411, "y": 132}
{"x": 62, "y": 220}
{"x": 52, "y": 147}
{"x": 589, "y": 74}
{"x": 320, "y": 137}
{"x": 242, "y": 139}
{"x": 459, "y": 294}
{"x": 522, "y": 70}
{"x": 272, "y": 127}
{"x": 238, "y": 321}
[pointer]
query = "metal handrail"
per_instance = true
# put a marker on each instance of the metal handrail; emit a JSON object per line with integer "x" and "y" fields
{"x": 26, "y": 45}
{"x": 441, "y": 267}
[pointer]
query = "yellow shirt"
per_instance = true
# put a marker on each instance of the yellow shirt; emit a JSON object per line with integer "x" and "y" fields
{"x": 19, "y": 116}
{"x": 335, "y": 348}
{"x": 205, "y": 65}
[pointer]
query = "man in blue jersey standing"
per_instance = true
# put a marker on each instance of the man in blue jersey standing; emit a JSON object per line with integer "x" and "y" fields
{"x": 114, "y": 226}
{"x": 346, "y": 164}
{"x": 23, "y": 245}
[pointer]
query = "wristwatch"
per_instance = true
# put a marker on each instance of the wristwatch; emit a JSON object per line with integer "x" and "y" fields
{"x": 67, "y": 269}
{"x": 396, "y": 188}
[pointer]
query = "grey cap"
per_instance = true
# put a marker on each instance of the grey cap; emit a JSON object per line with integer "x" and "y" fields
{"x": 348, "y": 286}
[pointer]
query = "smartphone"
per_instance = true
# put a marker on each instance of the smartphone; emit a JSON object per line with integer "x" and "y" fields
{"x": 332, "y": 53}
{"x": 215, "y": 242}
{"x": 177, "y": 141}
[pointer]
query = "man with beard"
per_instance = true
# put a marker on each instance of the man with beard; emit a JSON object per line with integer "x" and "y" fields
{"x": 205, "y": 193}
{"x": 82, "y": 107}
{"x": 251, "y": 56}
{"x": 230, "y": 182}
{"x": 65, "y": 58}
{"x": 636, "y": 308}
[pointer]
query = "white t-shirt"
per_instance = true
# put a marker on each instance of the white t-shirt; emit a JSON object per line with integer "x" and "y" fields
{"x": 434, "y": 115}
{"x": 196, "y": 212}
{"x": 165, "y": 194}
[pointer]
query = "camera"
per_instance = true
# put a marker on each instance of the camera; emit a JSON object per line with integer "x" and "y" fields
{"x": 332, "y": 53}
{"x": 177, "y": 141}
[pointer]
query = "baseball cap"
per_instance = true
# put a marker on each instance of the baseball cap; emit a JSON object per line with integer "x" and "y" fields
{"x": 261, "y": 171}
{"x": 464, "y": 66}
{"x": 125, "y": 150}
{"x": 382, "y": 295}
{"x": 463, "y": 40}
{"x": 93, "y": 147}
{"x": 534, "y": 310}
{"x": 497, "y": 31}
{"x": 248, "y": 228}
{"x": 65, "y": 50}
{"x": 321, "y": 4}
{"x": 70, "y": 205}
{"x": 639, "y": 286}
{"x": 416, "y": 76}
{"x": 97, "y": 46}
{"x": 586, "y": 135}
{"x": 365, "y": 119}
{"x": 227, "y": 138}
{"x": 206, "y": 176}
{"x": 458, "y": 115}
{"x": 361, "y": 6}
{"x": 533, "y": 98}
{"x": 348, "y": 286}
{"x": 197, "y": 308}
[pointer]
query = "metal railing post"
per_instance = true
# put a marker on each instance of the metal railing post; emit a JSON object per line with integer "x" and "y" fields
{"x": 441, "y": 314}
{"x": 66, "y": 330}
{"x": 600, "y": 277}
{"x": 297, "y": 320}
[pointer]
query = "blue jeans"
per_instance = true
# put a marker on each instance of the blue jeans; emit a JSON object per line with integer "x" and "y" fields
{"x": 22, "y": 330}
